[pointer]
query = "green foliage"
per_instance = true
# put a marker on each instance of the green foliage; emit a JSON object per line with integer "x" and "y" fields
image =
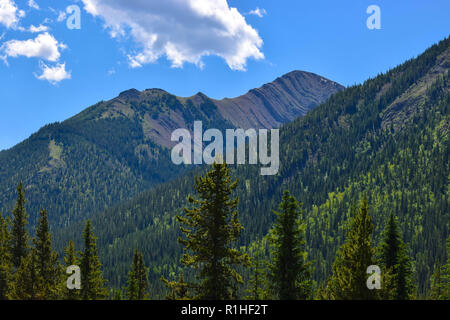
{"x": 396, "y": 263}
{"x": 137, "y": 278}
{"x": 70, "y": 259}
{"x": 257, "y": 284}
{"x": 20, "y": 236}
{"x": 92, "y": 282}
{"x": 6, "y": 268}
{"x": 440, "y": 280}
{"x": 28, "y": 282}
{"x": 289, "y": 274}
{"x": 210, "y": 228}
{"x": 349, "y": 279}
{"x": 47, "y": 263}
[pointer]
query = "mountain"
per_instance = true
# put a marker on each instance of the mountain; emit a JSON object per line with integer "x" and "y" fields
{"x": 387, "y": 138}
{"x": 115, "y": 149}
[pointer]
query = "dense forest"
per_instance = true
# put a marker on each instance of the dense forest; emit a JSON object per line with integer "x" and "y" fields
{"x": 211, "y": 229}
{"x": 367, "y": 179}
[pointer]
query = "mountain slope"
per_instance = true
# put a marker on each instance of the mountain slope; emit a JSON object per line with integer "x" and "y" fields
{"x": 387, "y": 138}
{"x": 115, "y": 149}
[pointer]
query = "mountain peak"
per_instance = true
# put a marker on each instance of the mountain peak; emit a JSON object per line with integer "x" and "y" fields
{"x": 130, "y": 94}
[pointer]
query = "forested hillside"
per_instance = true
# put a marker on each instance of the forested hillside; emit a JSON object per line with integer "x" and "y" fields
{"x": 116, "y": 149}
{"x": 386, "y": 139}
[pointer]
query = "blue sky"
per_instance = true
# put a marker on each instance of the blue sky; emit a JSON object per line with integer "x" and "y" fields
{"x": 49, "y": 72}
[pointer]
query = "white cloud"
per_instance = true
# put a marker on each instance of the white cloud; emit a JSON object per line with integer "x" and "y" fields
{"x": 33, "y": 4}
{"x": 40, "y": 28}
{"x": 61, "y": 16}
{"x": 9, "y": 13}
{"x": 34, "y": 29}
{"x": 258, "y": 12}
{"x": 44, "y": 46}
{"x": 182, "y": 30}
{"x": 54, "y": 74}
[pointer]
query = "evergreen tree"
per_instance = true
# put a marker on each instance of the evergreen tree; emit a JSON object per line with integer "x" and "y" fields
{"x": 258, "y": 277}
{"x": 92, "y": 282}
{"x": 48, "y": 265}
{"x": 137, "y": 278}
{"x": 289, "y": 273}
{"x": 70, "y": 259}
{"x": 5, "y": 260}
{"x": 20, "y": 236}
{"x": 178, "y": 289}
{"x": 211, "y": 228}
{"x": 398, "y": 282}
{"x": 437, "y": 284}
{"x": 440, "y": 280}
{"x": 349, "y": 279}
{"x": 446, "y": 274}
{"x": 117, "y": 294}
{"x": 28, "y": 282}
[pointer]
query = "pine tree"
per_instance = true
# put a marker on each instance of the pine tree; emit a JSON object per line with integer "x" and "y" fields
{"x": 70, "y": 259}
{"x": 446, "y": 274}
{"x": 117, "y": 294}
{"x": 349, "y": 279}
{"x": 137, "y": 278}
{"x": 211, "y": 228}
{"x": 28, "y": 282}
{"x": 48, "y": 265}
{"x": 19, "y": 232}
{"x": 440, "y": 280}
{"x": 178, "y": 289}
{"x": 437, "y": 284}
{"x": 92, "y": 282}
{"x": 398, "y": 282}
{"x": 289, "y": 272}
{"x": 258, "y": 280}
{"x": 5, "y": 260}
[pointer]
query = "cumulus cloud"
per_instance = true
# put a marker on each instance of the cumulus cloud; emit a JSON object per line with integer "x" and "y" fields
{"x": 10, "y": 14}
{"x": 33, "y": 4}
{"x": 54, "y": 74}
{"x": 44, "y": 46}
{"x": 181, "y": 30}
{"x": 258, "y": 12}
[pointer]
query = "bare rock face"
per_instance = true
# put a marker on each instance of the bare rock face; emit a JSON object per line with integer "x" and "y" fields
{"x": 281, "y": 101}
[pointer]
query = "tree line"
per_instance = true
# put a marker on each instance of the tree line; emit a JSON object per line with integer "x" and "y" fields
{"x": 278, "y": 264}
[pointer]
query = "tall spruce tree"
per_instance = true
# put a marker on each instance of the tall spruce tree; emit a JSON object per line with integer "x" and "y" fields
{"x": 437, "y": 283}
{"x": 20, "y": 237}
{"x": 92, "y": 282}
{"x": 211, "y": 229}
{"x": 27, "y": 280}
{"x": 258, "y": 279}
{"x": 70, "y": 259}
{"x": 440, "y": 280}
{"x": 5, "y": 260}
{"x": 349, "y": 279}
{"x": 398, "y": 284}
{"x": 137, "y": 278}
{"x": 289, "y": 273}
{"x": 48, "y": 266}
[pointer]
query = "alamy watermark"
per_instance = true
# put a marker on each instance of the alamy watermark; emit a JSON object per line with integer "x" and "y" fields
{"x": 74, "y": 280}
{"x": 235, "y": 147}
{"x": 374, "y": 280}
{"x": 374, "y": 20}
